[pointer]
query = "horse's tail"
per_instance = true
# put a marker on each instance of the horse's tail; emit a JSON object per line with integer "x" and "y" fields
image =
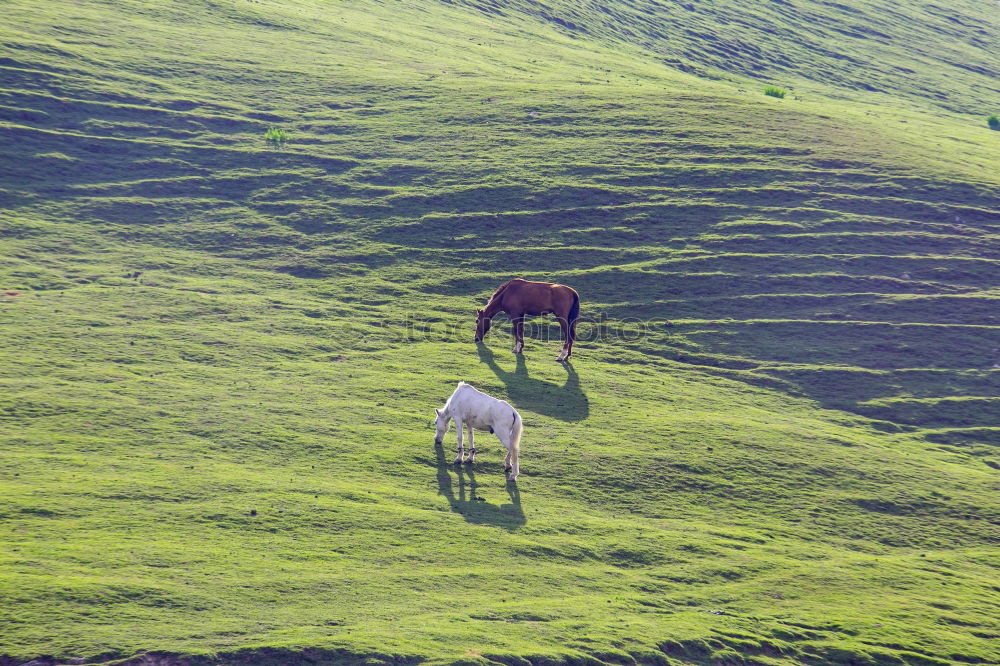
{"x": 516, "y": 429}
{"x": 574, "y": 313}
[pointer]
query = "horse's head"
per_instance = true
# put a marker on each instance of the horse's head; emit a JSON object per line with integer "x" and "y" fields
{"x": 482, "y": 325}
{"x": 442, "y": 424}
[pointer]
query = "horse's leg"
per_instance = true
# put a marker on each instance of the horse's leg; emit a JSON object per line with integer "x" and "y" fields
{"x": 570, "y": 340}
{"x": 510, "y": 463}
{"x": 518, "y": 334}
{"x": 505, "y": 440}
{"x": 564, "y": 326}
{"x": 472, "y": 446}
{"x": 458, "y": 432}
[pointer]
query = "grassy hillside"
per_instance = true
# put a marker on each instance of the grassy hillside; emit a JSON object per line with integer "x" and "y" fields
{"x": 776, "y": 444}
{"x": 887, "y": 52}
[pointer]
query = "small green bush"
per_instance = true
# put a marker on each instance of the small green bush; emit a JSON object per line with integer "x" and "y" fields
{"x": 275, "y": 136}
{"x": 775, "y": 91}
{"x": 993, "y": 122}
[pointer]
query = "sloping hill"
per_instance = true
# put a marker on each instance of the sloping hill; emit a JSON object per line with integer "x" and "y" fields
{"x": 919, "y": 53}
{"x": 777, "y": 441}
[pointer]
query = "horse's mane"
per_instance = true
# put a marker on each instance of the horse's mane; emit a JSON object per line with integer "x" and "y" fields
{"x": 447, "y": 403}
{"x": 499, "y": 292}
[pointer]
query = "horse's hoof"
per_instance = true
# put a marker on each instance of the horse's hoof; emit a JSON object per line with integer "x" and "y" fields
{"x": 458, "y": 461}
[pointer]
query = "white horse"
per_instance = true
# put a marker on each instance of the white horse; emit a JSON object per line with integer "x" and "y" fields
{"x": 479, "y": 411}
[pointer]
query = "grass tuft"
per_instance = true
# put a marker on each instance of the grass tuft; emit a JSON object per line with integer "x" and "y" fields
{"x": 775, "y": 91}
{"x": 994, "y": 122}
{"x": 276, "y": 136}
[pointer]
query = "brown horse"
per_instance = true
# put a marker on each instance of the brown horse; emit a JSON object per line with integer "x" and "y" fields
{"x": 520, "y": 298}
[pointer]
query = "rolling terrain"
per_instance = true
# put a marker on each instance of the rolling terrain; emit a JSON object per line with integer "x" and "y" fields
{"x": 777, "y": 441}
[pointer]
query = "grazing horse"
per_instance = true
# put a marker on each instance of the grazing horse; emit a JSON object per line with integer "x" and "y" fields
{"x": 478, "y": 411}
{"x": 520, "y": 298}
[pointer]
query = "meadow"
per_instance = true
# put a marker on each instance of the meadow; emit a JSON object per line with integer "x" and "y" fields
{"x": 241, "y": 248}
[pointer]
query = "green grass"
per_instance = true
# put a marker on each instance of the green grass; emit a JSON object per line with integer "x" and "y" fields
{"x": 776, "y": 443}
{"x": 774, "y": 91}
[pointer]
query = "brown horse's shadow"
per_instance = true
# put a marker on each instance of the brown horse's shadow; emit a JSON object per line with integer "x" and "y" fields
{"x": 473, "y": 507}
{"x": 566, "y": 403}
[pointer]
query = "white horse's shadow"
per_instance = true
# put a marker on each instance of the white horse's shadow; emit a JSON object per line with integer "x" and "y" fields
{"x": 467, "y": 502}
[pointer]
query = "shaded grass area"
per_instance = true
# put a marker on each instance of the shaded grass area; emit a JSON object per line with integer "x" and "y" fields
{"x": 223, "y": 354}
